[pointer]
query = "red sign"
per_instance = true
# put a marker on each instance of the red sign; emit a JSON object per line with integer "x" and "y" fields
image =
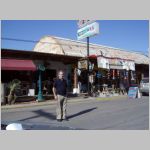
{"x": 83, "y": 23}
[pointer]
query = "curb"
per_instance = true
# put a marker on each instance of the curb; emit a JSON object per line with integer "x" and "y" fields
{"x": 111, "y": 98}
{"x": 48, "y": 102}
{"x": 53, "y": 102}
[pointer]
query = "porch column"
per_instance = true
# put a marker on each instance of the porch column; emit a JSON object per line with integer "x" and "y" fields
{"x": 40, "y": 95}
{"x": 75, "y": 90}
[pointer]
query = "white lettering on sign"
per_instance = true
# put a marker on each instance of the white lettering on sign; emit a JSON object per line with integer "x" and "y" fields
{"x": 88, "y": 31}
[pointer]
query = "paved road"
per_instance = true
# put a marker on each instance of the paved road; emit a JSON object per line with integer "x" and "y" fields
{"x": 88, "y": 114}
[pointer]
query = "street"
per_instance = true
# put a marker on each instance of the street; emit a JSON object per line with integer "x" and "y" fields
{"x": 87, "y": 114}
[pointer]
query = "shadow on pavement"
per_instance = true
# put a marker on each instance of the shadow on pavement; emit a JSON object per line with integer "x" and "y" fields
{"x": 41, "y": 113}
{"x": 82, "y": 112}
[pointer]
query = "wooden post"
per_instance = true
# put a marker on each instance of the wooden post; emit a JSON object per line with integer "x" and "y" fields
{"x": 75, "y": 78}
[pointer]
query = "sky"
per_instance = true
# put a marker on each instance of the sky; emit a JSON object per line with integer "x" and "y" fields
{"x": 130, "y": 35}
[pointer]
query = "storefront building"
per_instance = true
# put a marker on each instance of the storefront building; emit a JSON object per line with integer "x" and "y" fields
{"x": 131, "y": 67}
{"x": 23, "y": 65}
{"x": 107, "y": 64}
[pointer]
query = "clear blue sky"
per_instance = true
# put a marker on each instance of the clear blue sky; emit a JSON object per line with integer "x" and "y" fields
{"x": 131, "y": 35}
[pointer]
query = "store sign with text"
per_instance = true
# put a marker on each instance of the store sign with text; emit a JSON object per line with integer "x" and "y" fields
{"x": 88, "y": 31}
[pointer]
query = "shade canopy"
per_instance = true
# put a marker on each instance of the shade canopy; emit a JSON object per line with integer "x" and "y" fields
{"x": 14, "y": 64}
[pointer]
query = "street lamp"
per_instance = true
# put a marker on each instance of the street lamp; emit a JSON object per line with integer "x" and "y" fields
{"x": 40, "y": 95}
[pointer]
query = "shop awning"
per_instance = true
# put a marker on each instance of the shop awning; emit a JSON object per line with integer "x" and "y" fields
{"x": 14, "y": 64}
{"x": 93, "y": 56}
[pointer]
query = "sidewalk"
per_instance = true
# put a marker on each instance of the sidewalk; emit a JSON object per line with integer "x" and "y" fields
{"x": 53, "y": 102}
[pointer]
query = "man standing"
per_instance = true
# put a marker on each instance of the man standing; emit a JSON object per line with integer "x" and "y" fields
{"x": 60, "y": 92}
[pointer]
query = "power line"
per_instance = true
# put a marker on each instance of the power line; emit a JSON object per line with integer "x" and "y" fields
{"x": 33, "y": 41}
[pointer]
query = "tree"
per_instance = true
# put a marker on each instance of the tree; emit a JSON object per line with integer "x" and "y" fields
{"x": 13, "y": 85}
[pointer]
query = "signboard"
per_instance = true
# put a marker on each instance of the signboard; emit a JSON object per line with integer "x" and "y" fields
{"x": 102, "y": 63}
{"x": 88, "y": 31}
{"x": 133, "y": 92}
{"x": 82, "y": 64}
{"x": 83, "y": 23}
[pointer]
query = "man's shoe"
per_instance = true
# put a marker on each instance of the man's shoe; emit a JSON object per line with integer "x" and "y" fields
{"x": 59, "y": 120}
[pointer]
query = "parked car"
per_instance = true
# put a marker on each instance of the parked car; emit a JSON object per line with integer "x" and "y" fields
{"x": 144, "y": 86}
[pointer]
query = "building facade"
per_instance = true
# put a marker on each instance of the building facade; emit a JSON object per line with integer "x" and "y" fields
{"x": 64, "y": 54}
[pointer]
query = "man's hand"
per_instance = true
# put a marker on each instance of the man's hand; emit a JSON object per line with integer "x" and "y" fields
{"x": 55, "y": 97}
{"x": 54, "y": 92}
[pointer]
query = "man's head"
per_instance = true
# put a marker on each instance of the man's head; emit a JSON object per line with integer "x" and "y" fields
{"x": 60, "y": 74}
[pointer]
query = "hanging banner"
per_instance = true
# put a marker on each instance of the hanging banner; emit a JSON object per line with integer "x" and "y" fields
{"x": 102, "y": 62}
{"x": 82, "y": 64}
{"x": 132, "y": 76}
{"x": 122, "y": 64}
{"x": 131, "y": 65}
{"x": 116, "y": 63}
{"x": 128, "y": 65}
{"x": 125, "y": 65}
{"x": 91, "y": 66}
{"x": 79, "y": 72}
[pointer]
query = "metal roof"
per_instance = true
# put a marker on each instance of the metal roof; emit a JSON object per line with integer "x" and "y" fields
{"x": 57, "y": 45}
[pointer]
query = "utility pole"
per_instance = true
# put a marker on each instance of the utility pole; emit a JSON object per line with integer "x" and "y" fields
{"x": 87, "y": 28}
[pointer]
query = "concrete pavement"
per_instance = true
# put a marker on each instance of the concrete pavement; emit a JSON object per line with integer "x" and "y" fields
{"x": 84, "y": 114}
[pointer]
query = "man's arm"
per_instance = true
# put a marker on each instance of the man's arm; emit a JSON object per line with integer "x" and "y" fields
{"x": 54, "y": 92}
{"x": 66, "y": 89}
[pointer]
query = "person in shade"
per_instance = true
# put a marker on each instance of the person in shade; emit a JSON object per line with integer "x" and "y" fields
{"x": 60, "y": 94}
